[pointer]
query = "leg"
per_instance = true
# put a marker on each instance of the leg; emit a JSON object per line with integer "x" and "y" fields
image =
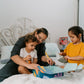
{"x": 23, "y": 70}
{"x": 8, "y": 70}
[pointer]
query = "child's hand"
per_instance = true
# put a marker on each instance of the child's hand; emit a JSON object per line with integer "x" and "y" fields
{"x": 62, "y": 53}
{"x": 66, "y": 57}
{"x": 27, "y": 58}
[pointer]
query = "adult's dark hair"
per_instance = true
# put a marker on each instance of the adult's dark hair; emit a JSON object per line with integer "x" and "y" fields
{"x": 76, "y": 30}
{"x": 39, "y": 30}
{"x": 42, "y": 30}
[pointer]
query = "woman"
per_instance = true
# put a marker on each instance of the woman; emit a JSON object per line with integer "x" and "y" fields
{"x": 11, "y": 67}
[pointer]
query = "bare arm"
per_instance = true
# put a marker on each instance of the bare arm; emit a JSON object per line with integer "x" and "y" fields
{"x": 48, "y": 60}
{"x": 44, "y": 58}
{"x": 18, "y": 60}
{"x": 35, "y": 60}
{"x": 77, "y": 58}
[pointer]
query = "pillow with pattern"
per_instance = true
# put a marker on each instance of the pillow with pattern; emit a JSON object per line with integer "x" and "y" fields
{"x": 5, "y": 53}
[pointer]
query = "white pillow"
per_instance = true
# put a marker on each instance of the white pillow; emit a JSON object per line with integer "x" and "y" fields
{"x": 5, "y": 53}
{"x": 52, "y": 49}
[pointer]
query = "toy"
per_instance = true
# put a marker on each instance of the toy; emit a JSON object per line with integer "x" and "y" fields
{"x": 55, "y": 71}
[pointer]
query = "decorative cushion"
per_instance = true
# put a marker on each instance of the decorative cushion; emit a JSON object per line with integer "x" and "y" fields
{"x": 5, "y": 53}
{"x": 4, "y": 61}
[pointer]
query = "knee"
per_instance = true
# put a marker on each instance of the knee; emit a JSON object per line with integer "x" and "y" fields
{"x": 21, "y": 68}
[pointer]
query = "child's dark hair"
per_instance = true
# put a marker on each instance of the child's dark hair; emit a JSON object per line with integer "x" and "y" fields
{"x": 30, "y": 38}
{"x": 76, "y": 30}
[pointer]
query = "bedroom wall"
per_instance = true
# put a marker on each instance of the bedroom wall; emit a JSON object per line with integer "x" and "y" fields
{"x": 55, "y": 15}
{"x": 81, "y": 13}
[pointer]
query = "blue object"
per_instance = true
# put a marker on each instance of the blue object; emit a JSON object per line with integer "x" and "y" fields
{"x": 55, "y": 71}
{"x": 48, "y": 71}
{"x": 52, "y": 49}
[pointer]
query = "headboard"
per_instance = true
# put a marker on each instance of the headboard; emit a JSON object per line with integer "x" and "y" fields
{"x": 10, "y": 35}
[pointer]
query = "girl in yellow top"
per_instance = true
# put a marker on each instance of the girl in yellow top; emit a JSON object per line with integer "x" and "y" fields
{"x": 74, "y": 52}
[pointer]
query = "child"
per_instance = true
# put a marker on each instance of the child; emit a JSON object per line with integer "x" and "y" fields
{"x": 29, "y": 54}
{"x": 74, "y": 52}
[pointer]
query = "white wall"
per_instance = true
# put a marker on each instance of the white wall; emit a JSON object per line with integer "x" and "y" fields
{"x": 55, "y": 15}
{"x": 81, "y": 13}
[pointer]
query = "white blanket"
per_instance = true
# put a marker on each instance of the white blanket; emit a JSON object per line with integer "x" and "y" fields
{"x": 69, "y": 78}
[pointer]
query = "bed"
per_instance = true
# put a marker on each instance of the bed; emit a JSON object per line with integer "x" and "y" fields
{"x": 69, "y": 78}
{"x": 9, "y": 36}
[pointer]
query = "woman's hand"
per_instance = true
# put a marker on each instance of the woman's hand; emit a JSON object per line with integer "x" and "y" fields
{"x": 33, "y": 66}
{"x": 50, "y": 61}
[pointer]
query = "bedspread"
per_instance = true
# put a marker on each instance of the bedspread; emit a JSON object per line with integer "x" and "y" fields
{"x": 69, "y": 78}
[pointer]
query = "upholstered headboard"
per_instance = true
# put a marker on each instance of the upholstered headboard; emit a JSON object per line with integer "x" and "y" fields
{"x": 10, "y": 35}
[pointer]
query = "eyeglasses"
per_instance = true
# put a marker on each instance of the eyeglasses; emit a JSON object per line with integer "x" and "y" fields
{"x": 40, "y": 38}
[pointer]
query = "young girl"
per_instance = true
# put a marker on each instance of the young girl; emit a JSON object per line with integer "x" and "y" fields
{"x": 29, "y": 54}
{"x": 74, "y": 52}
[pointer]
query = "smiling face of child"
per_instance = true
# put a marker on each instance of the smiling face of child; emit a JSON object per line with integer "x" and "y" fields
{"x": 30, "y": 46}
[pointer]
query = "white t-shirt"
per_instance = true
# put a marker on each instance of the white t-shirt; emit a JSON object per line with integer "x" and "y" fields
{"x": 24, "y": 53}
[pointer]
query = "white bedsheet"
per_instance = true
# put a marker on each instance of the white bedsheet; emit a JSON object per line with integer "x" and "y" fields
{"x": 69, "y": 78}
